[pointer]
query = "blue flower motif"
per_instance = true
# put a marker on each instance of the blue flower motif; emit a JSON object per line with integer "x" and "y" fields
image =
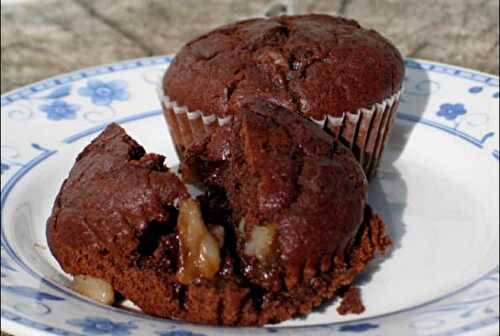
{"x": 31, "y": 293}
{"x": 358, "y": 327}
{"x": 5, "y": 167}
{"x": 496, "y": 95}
{"x": 59, "y": 110}
{"x": 179, "y": 333}
{"x": 104, "y": 93}
{"x": 476, "y": 89}
{"x": 451, "y": 111}
{"x": 102, "y": 326}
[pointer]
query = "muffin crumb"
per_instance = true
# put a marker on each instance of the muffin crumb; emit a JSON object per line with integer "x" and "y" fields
{"x": 351, "y": 302}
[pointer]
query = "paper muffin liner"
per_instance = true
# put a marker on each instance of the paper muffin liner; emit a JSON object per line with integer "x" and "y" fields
{"x": 365, "y": 131}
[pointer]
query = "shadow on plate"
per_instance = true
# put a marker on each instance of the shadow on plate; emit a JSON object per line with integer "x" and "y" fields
{"x": 388, "y": 191}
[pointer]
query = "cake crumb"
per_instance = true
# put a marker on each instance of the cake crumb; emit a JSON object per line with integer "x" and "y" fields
{"x": 351, "y": 302}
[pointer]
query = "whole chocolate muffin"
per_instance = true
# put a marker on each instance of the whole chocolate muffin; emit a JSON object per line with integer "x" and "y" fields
{"x": 344, "y": 77}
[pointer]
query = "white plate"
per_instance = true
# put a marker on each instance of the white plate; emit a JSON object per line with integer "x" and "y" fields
{"x": 437, "y": 189}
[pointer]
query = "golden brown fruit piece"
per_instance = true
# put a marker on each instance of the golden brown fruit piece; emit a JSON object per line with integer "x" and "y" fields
{"x": 94, "y": 288}
{"x": 199, "y": 251}
{"x": 260, "y": 242}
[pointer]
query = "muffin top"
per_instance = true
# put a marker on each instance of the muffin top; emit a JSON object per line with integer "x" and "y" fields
{"x": 114, "y": 193}
{"x": 295, "y": 198}
{"x": 317, "y": 65}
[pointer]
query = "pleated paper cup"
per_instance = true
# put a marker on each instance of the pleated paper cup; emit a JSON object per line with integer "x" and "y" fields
{"x": 365, "y": 131}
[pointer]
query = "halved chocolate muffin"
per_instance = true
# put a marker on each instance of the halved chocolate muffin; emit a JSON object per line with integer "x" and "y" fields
{"x": 297, "y": 196}
{"x": 123, "y": 217}
{"x": 345, "y": 78}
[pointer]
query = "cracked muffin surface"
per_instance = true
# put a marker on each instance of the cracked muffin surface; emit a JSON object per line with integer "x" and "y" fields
{"x": 297, "y": 197}
{"x": 345, "y": 78}
{"x": 114, "y": 195}
{"x": 317, "y": 65}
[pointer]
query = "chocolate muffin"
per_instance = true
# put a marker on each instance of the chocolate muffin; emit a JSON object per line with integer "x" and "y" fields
{"x": 297, "y": 196}
{"x": 345, "y": 78}
{"x": 122, "y": 217}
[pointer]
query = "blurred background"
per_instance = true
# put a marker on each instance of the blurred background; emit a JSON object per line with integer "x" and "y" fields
{"x": 41, "y": 38}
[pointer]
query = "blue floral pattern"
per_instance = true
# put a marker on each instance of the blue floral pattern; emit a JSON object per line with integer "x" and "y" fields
{"x": 272, "y": 330}
{"x": 483, "y": 301}
{"x": 179, "y": 333}
{"x": 5, "y": 167}
{"x": 476, "y": 89}
{"x": 59, "y": 110}
{"x": 31, "y": 293}
{"x": 451, "y": 111}
{"x": 104, "y": 93}
{"x": 103, "y": 326}
{"x": 358, "y": 328}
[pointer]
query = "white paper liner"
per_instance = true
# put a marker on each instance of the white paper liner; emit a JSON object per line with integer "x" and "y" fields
{"x": 365, "y": 130}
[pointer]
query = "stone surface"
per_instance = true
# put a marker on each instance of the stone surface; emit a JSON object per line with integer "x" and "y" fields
{"x": 41, "y": 39}
{"x": 45, "y": 38}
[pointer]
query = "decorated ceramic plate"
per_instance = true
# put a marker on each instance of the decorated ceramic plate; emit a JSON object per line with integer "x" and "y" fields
{"x": 437, "y": 189}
